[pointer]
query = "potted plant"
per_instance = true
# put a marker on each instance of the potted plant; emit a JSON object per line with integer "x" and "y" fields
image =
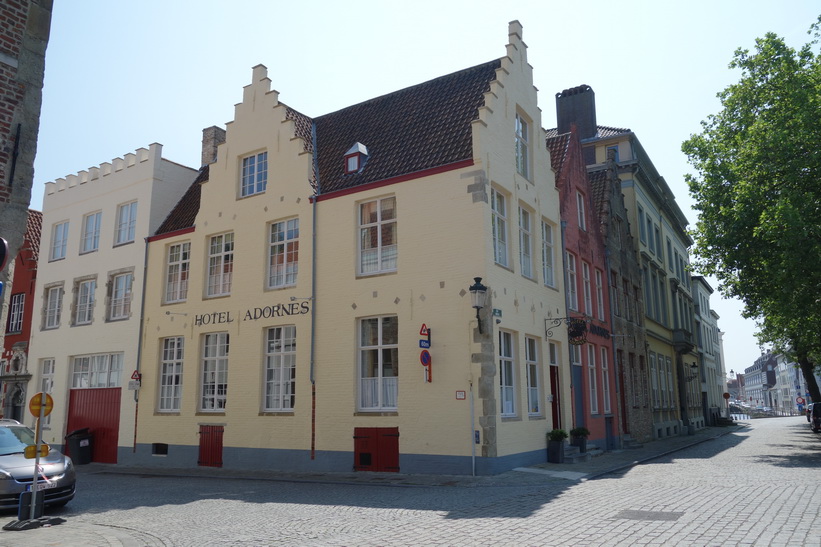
{"x": 555, "y": 445}
{"x": 578, "y": 437}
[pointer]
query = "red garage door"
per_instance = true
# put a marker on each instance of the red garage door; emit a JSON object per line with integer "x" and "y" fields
{"x": 99, "y": 411}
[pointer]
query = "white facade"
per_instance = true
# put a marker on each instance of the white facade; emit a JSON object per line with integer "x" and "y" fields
{"x": 86, "y": 319}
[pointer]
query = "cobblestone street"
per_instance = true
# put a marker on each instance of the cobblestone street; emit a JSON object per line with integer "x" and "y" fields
{"x": 743, "y": 485}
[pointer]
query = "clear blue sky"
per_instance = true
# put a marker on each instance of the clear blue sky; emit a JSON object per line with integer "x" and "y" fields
{"x": 122, "y": 75}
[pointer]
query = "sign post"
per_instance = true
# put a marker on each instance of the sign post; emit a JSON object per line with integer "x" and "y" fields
{"x": 40, "y": 406}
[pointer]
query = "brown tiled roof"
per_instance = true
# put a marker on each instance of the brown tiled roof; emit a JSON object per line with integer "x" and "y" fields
{"x": 417, "y": 128}
{"x": 185, "y": 211}
{"x": 302, "y": 126}
{"x": 411, "y": 130}
{"x": 557, "y": 146}
{"x": 34, "y": 228}
{"x": 599, "y": 184}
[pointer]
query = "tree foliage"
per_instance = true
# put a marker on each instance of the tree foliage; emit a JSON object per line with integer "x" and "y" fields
{"x": 757, "y": 190}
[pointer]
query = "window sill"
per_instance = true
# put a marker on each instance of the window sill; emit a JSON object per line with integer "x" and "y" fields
{"x": 167, "y": 413}
{"x": 376, "y": 413}
{"x": 277, "y": 413}
{"x": 376, "y": 274}
{"x": 511, "y": 419}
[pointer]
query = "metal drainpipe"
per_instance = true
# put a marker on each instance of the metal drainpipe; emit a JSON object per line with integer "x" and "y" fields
{"x": 313, "y": 290}
{"x": 140, "y": 340}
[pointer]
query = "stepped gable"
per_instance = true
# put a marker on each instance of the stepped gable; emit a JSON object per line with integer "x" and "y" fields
{"x": 185, "y": 211}
{"x": 414, "y": 129}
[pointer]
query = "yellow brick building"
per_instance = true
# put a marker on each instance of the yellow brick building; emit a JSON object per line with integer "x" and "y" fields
{"x": 297, "y": 291}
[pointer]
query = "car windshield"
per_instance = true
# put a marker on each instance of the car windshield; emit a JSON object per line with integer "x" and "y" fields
{"x": 15, "y": 439}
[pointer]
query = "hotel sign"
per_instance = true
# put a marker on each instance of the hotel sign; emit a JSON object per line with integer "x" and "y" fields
{"x": 252, "y": 314}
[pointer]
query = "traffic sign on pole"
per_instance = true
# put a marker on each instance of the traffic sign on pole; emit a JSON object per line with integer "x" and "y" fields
{"x": 41, "y": 401}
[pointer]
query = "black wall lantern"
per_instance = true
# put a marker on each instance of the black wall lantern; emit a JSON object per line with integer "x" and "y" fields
{"x": 477, "y": 298}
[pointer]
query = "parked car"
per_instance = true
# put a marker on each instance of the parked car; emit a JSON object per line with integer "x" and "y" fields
{"x": 809, "y": 411}
{"x": 57, "y": 477}
{"x": 815, "y": 417}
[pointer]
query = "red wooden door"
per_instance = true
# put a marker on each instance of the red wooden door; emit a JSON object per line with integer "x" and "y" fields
{"x": 99, "y": 411}
{"x": 210, "y": 446}
{"x": 376, "y": 449}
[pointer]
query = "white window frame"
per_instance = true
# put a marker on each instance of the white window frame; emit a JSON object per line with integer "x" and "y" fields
{"x": 498, "y": 206}
{"x": 605, "y": 381}
{"x": 90, "y": 240}
{"x": 220, "y": 264}
{"x": 46, "y": 384}
{"x": 548, "y": 262}
{"x": 525, "y": 243}
{"x": 378, "y": 363}
{"x": 581, "y": 212}
{"x": 171, "y": 368}
{"x": 378, "y": 244}
{"x": 280, "y": 369}
{"x": 522, "y": 140}
{"x": 96, "y": 371}
{"x": 178, "y": 269}
{"x": 507, "y": 375}
{"x": 59, "y": 240}
{"x": 588, "y": 292}
{"x": 592, "y": 381}
{"x": 84, "y": 311}
{"x": 214, "y": 370}
{"x": 126, "y": 223}
{"x": 254, "y": 174}
{"x": 599, "y": 295}
{"x": 119, "y": 306}
{"x": 534, "y": 386}
{"x": 17, "y": 306}
{"x": 575, "y": 355}
{"x": 572, "y": 288}
{"x": 53, "y": 307}
{"x": 283, "y": 253}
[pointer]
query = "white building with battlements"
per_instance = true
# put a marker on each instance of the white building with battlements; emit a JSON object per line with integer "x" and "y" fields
{"x": 86, "y": 319}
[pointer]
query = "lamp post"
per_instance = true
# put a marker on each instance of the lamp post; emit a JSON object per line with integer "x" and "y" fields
{"x": 478, "y": 292}
{"x": 477, "y": 298}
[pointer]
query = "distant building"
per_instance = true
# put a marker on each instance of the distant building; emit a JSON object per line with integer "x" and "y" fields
{"x": 659, "y": 229}
{"x": 14, "y": 361}
{"x": 711, "y": 370}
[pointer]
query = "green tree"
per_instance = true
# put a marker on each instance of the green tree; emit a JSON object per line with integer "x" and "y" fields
{"x": 758, "y": 194}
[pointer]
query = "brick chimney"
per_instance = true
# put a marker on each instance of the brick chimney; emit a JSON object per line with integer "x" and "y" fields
{"x": 212, "y": 137}
{"x": 577, "y": 105}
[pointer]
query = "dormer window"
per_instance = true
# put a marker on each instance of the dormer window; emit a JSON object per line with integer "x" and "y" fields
{"x": 355, "y": 158}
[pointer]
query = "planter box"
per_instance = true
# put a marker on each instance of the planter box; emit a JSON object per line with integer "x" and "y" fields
{"x": 555, "y": 451}
{"x": 581, "y": 442}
